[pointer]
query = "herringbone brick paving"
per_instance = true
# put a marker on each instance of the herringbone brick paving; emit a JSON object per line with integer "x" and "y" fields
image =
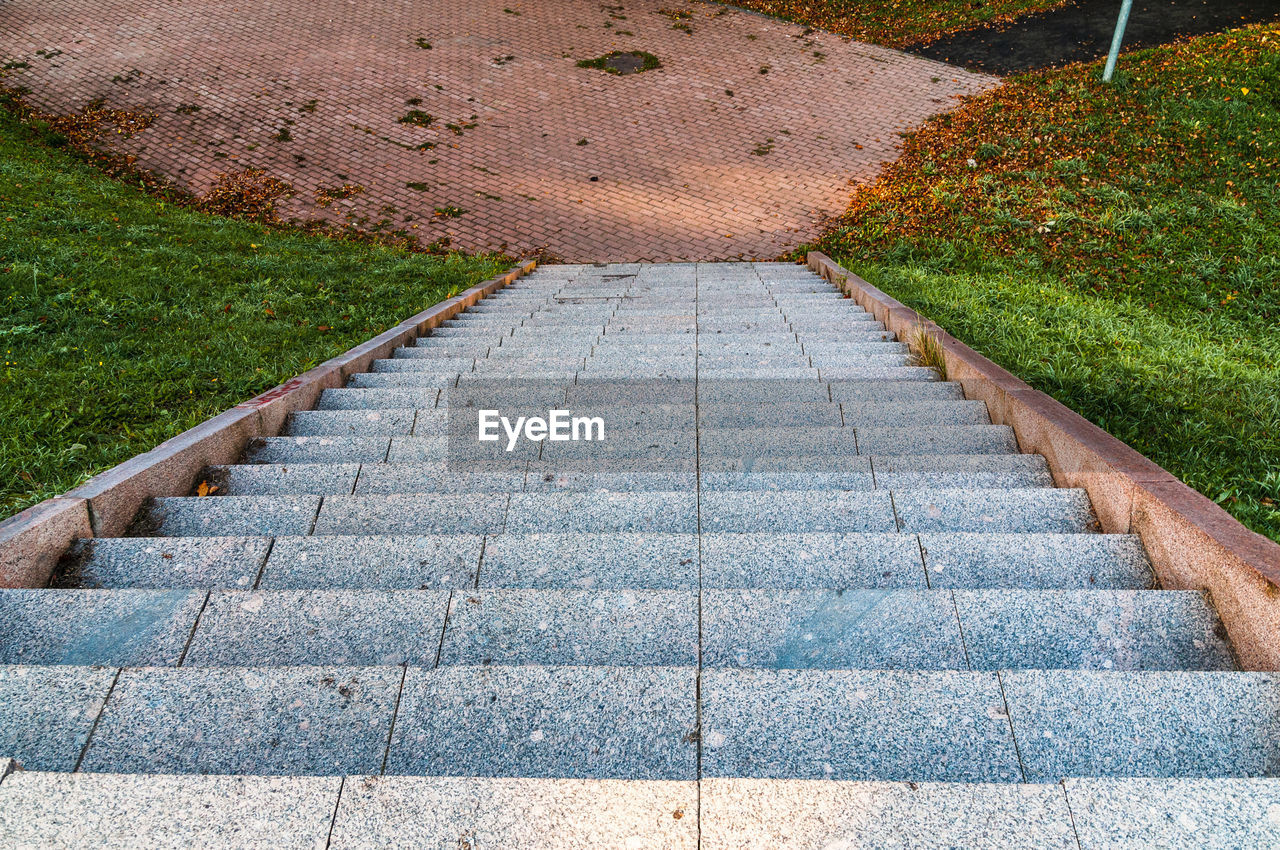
{"x": 738, "y": 146}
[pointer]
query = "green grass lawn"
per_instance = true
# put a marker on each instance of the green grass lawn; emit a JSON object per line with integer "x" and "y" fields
{"x": 127, "y": 320}
{"x": 1117, "y": 247}
{"x": 896, "y": 23}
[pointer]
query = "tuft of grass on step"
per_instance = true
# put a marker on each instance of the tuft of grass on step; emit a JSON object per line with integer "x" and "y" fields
{"x": 126, "y": 320}
{"x": 1117, "y": 247}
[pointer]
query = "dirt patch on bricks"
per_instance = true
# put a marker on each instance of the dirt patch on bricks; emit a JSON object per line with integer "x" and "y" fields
{"x": 1081, "y": 32}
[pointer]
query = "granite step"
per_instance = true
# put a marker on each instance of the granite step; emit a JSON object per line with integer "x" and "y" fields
{"x": 399, "y": 396}
{"x": 163, "y": 563}
{"x": 227, "y": 516}
{"x": 963, "y": 630}
{"x": 363, "y": 423}
{"x": 97, "y": 627}
{"x": 531, "y": 721}
{"x": 949, "y": 726}
{"x": 639, "y": 722}
{"x": 277, "y": 479}
{"x": 903, "y": 472}
{"x": 1080, "y": 814}
{"x": 83, "y": 810}
{"x": 920, "y": 510}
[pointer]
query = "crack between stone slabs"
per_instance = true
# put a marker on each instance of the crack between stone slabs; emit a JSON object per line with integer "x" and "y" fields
{"x": 94, "y": 728}
{"x": 897, "y": 522}
{"x": 186, "y": 647}
{"x": 506, "y": 509}
{"x": 697, "y": 483}
{"x": 484, "y": 540}
{"x": 871, "y": 464}
{"x": 342, "y": 783}
{"x": 1075, "y": 831}
{"x": 262, "y": 568}
{"x": 395, "y": 711}
{"x": 315, "y": 520}
{"x": 355, "y": 482}
{"x": 964, "y": 646}
{"x": 448, "y": 607}
{"x": 1008, "y": 718}
{"x": 928, "y": 583}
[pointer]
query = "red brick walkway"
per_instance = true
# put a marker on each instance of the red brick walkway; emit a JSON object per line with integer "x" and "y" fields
{"x": 738, "y": 145}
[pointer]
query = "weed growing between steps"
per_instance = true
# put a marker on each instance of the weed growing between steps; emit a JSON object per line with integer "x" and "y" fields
{"x": 1117, "y": 247}
{"x": 126, "y": 320}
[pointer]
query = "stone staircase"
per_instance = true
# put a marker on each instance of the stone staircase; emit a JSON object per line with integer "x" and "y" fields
{"x": 806, "y": 595}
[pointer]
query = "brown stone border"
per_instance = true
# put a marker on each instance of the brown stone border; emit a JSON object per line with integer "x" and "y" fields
{"x": 1192, "y": 543}
{"x": 31, "y": 541}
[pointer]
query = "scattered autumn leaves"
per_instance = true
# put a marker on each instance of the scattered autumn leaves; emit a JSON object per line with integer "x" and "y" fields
{"x": 897, "y": 23}
{"x": 1041, "y": 164}
{"x": 250, "y": 194}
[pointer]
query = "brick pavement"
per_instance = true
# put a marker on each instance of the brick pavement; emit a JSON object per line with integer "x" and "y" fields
{"x": 738, "y": 146}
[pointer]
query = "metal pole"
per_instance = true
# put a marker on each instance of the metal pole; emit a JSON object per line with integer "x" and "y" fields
{"x": 1116, "y": 39}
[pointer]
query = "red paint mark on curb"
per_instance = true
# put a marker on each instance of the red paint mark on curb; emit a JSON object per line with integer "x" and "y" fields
{"x": 271, "y": 395}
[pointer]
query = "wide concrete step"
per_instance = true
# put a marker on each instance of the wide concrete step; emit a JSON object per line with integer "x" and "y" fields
{"x": 1024, "y": 510}
{"x": 840, "y": 629}
{"x": 833, "y": 561}
{"x": 641, "y": 722}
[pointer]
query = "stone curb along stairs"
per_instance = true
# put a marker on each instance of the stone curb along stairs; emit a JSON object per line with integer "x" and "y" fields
{"x": 826, "y": 599}
{"x": 1193, "y": 543}
{"x": 32, "y": 540}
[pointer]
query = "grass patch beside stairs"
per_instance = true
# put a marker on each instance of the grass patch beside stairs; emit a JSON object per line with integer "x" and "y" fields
{"x": 1117, "y": 247}
{"x": 125, "y": 320}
